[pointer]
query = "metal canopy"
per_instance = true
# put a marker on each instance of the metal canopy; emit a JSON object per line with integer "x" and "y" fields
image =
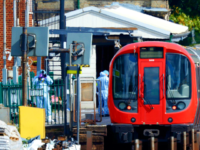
{"x": 94, "y": 31}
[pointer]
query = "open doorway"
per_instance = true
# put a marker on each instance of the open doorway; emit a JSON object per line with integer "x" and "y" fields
{"x": 104, "y": 55}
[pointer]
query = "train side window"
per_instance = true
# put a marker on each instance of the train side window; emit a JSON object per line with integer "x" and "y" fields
{"x": 178, "y": 77}
{"x": 125, "y": 77}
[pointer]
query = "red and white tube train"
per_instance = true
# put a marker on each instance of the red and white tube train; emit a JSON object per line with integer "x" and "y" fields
{"x": 154, "y": 90}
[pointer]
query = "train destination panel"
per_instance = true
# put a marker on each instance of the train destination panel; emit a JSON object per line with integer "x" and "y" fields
{"x": 151, "y": 52}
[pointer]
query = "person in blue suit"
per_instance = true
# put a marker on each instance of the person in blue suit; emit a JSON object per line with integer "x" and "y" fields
{"x": 104, "y": 92}
{"x": 42, "y": 81}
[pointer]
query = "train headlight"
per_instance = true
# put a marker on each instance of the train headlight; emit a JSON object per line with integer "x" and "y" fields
{"x": 122, "y": 105}
{"x": 133, "y": 119}
{"x": 181, "y": 105}
{"x": 170, "y": 120}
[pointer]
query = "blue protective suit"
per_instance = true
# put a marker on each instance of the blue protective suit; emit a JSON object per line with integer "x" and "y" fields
{"x": 43, "y": 101}
{"x": 104, "y": 93}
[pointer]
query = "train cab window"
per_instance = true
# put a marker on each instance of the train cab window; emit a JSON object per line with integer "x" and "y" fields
{"x": 125, "y": 77}
{"x": 178, "y": 76}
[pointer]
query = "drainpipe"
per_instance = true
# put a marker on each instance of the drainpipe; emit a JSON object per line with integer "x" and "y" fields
{"x": 78, "y": 4}
{"x": 27, "y": 25}
{"x": 38, "y": 58}
{"x": 15, "y": 71}
{"x": 14, "y": 12}
{"x": 38, "y": 65}
{"x": 4, "y": 43}
{"x": 27, "y": 14}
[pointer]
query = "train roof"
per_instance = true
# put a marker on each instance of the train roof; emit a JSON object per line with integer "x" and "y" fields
{"x": 193, "y": 51}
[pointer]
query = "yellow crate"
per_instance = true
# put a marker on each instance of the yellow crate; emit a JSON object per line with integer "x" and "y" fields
{"x": 31, "y": 122}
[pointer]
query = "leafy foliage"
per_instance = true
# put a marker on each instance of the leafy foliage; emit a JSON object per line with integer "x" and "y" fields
{"x": 186, "y": 12}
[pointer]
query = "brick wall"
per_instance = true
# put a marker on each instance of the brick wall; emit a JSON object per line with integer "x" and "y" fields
{"x": 9, "y": 24}
{"x": 72, "y": 4}
{"x": 1, "y": 37}
{"x": 144, "y": 3}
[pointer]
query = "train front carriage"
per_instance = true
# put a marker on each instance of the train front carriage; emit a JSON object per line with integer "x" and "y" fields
{"x": 153, "y": 92}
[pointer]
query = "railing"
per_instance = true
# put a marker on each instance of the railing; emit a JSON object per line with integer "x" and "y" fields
{"x": 11, "y": 96}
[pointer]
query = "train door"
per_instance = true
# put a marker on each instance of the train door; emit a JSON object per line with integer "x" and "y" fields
{"x": 151, "y": 92}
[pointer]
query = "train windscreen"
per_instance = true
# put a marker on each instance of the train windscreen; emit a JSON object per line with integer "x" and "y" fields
{"x": 125, "y": 77}
{"x": 178, "y": 77}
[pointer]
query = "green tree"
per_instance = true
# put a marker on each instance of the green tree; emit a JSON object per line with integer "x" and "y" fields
{"x": 186, "y": 12}
{"x": 190, "y": 7}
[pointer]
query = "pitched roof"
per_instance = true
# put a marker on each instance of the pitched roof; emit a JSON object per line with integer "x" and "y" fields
{"x": 131, "y": 18}
{"x": 134, "y": 16}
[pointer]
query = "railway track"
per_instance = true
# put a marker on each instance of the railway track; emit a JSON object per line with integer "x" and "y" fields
{"x": 94, "y": 137}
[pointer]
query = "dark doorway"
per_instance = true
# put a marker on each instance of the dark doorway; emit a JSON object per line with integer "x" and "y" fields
{"x": 104, "y": 55}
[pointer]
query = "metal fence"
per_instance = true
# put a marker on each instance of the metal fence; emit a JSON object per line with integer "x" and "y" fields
{"x": 11, "y": 96}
